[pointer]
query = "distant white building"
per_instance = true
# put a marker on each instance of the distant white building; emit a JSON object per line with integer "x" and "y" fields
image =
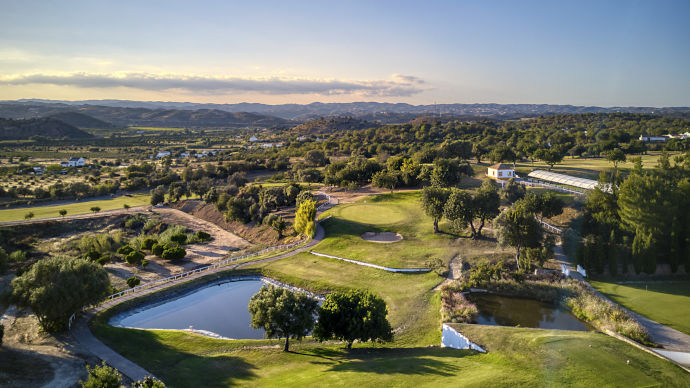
{"x": 39, "y": 170}
{"x": 74, "y": 162}
{"x": 648, "y": 138}
{"x": 184, "y": 155}
{"x": 267, "y": 145}
{"x": 162, "y": 154}
{"x": 253, "y": 139}
{"x": 501, "y": 171}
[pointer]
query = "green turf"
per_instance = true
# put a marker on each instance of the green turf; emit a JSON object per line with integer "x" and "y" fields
{"x": 400, "y": 213}
{"x": 665, "y": 302}
{"x": 155, "y": 129}
{"x": 81, "y": 207}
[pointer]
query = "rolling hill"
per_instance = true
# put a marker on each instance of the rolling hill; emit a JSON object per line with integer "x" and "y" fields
{"x": 46, "y": 127}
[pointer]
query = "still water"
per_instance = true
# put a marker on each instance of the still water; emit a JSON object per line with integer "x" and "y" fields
{"x": 219, "y": 308}
{"x": 504, "y": 311}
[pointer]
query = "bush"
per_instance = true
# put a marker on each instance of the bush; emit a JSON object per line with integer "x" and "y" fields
{"x": 125, "y": 250}
{"x": 147, "y": 243}
{"x": 174, "y": 253}
{"x": 437, "y": 266}
{"x": 134, "y": 257}
{"x": 133, "y": 281}
{"x": 148, "y": 382}
{"x": 455, "y": 307}
{"x": 179, "y": 238}
{"x": 102, "y": 377}
{"x": 18, "y": 256}
{"x": 92, "y": 256}
{"x": 157, "y": 249}
{"x": 144, "y": 263}
{"x": 203, "y": 236}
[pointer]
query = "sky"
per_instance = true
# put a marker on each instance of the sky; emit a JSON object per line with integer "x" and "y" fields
{"x": 603, "y": 53}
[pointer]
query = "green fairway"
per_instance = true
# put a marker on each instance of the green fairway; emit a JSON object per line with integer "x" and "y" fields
{"x": 400, "y": 213}
{"x": 665, "y": 302}
{"x": 80, "y": 207}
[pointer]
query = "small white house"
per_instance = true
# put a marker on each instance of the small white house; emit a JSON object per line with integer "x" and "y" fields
{"x": 253, "y": 139}
{"x": 162, "y": 154}
{"x": 75, "y": 162}
{"x": 500, "y": 171}
{"x": 39, "y": 170}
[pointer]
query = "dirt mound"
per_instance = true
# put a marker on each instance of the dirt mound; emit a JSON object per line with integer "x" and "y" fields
{"x": 382, "y": 237}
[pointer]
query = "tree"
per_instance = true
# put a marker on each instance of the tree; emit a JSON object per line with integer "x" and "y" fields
{"x": 55, "y": 288}
{"x": 277, "y": 223}
{"x": 448, "y": 172}
{"x": 175, "y": 252}
{"x": 518, "y": 228}
{"x": 486, "y": 205}
{"x": 62, "y": 212}
{"x": 502, "y": 153}
{"x": 433, "y": 201}
{"x": 158, "y": 195}
{"x": 133, "y": 281}
{"x": 315, "y": 158}
{"x": 615, "y": 156}
{"x": 353, "y": 315}
{"x": 102, "y": 376}
{"x": 385, "y": 179}
{"x": 282, "y": 313}
{"x": 95, "y": 209}
{"x": 549, "y": 156}
{"x": 304, "y": 218}
{"x": 29, "y": 215}
{"x": 148, "y": 382}
{"x": 459, "y": 210}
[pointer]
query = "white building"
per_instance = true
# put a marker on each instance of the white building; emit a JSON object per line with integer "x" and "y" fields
{"x": 75, "y": 162}
{"x": 649, "y": 138}
{"x": 500, "y": 171}
{"x": 253, "y": 139}
{"x": 162, "y": 154}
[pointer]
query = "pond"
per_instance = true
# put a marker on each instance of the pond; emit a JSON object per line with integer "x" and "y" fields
{"x": 219, "y": 309}
{"x": 505, "y": 311}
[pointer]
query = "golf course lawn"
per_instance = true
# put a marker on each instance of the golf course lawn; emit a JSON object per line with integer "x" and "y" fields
{"x": 665, "y": 302}
{"x": 80, "y": 207}
{"x": 401, "y": 213}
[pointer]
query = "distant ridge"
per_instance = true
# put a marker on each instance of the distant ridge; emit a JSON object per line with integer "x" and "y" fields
{"x": 80, "y": 120}
{"x": 387, "y": 112}
{"x": 46, "y": 127}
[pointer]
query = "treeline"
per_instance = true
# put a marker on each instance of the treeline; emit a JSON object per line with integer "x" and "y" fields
{"x": 641, "y": 222}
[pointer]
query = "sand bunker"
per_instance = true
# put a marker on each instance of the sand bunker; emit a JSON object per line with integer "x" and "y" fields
{"x": 382, "y": 237}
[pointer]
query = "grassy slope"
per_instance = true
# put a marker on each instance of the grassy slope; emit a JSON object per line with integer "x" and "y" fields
{"x": 81, "y": 207}
{"x": 665, "y": 302}
{"x": 588, "y": 167}
{"x": 401, "y": 213}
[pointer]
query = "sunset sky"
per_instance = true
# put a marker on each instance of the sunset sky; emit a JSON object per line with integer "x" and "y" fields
{"x": 606, "y": 53}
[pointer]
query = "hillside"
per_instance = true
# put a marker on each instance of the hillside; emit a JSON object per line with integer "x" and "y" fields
{"x": 333, "y": 124}
{"x": 47, "y": 127}
{"x": 80, "y": 120}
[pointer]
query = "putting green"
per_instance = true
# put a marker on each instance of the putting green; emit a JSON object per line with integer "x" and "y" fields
{"x": 372, "y": 214}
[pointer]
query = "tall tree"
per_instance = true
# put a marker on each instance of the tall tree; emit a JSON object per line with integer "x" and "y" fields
{"x": 282, "y": 313}
{"x": 433, "y": 201}
{"x": 459, "y": 210}
{"x": 518, "y": 228}
{"x": 304, "y": 218}
{"x": 353, "y": 315}
{"x": 486, "y": 205}
{"x": 56, "y": 288}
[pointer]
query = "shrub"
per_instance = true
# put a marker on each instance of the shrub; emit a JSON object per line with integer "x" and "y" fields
{"x": 157, "y": 249}
{"x": 147, "y": 243}
{"x": 144, "y": 263}
{"x": 135, "y": 221}
{"x": 18, "y": 256}
{"x": 437, "y": 266}
{"x": 102, "y": 377}
{"x": 148, "y": 382}
{"x": 125, "y": 250}
{"x": 179, "y": 238}
{"x": 174, "y": 253}
{"x": 133, "y": 281}
{"x": 134, "y": 257}
{"x": 203, "y": 236}
{"x": 92, "y": 256}
{"x": 455, "y": 307}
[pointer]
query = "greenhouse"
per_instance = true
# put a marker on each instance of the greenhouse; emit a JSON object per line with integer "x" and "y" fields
{"x": 587, "y": 184}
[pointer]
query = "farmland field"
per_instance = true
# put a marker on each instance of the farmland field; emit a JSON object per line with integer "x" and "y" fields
{"x": 77, "y": 207}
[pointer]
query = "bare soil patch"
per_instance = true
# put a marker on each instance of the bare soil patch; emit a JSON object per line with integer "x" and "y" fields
{"x": 382, "y": 237}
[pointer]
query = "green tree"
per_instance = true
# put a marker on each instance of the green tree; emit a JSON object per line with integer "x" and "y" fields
{"x": 102, "y": 376}
{"x": 615, "y": 156}
{"x": 304, "y": 218}
{"x": 55, "y": 288}
{"x": 459, "y": 210}
{"x": 448, "y": 172}
{"x": 148, "y": 382}
{"x": 513, "y": 191}
{"x": 517, "y": 227}
{"x": 549, "y": 156}
{"x": 433, "y": 201}
{"x": 385, "y": 179}
{"x": 62, "y": 212}
{"x": 486, "y": 205}
{"x": 353, "y": 315}
{"x": 95, "y": 209}
{"x": 282, "y": 313}
{"x": 158, "y": 195}
{"x": 29, "y": 215}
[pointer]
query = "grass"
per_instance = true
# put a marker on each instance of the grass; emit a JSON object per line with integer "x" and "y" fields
{"x": 665, "y": 302}
{"x": 401, "y": 213}
{"x": 155, "y": 129}
{"x": 81, "y": 207}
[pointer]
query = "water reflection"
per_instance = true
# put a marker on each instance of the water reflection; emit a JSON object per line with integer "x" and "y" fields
{"x": 504, "y": 311}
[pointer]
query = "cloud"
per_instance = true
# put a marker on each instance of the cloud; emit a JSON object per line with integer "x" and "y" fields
{"x": 397, "y": 86}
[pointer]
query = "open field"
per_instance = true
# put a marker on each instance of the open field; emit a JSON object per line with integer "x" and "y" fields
{"x": 155, "y": 129}
{"x": 588, "y": 167}
{"x": 665, "y": 302}
{"x": 79, "y": 207}
{"x": 401, "y": 213}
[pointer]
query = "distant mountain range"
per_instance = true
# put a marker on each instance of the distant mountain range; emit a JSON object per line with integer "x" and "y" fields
{"x": 371, "y": 111}
{"x": 45, "y": 127}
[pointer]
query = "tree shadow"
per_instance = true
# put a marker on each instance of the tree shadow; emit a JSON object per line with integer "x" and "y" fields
{"x": 409, "y": 361}
{"x": 337, "y": 227}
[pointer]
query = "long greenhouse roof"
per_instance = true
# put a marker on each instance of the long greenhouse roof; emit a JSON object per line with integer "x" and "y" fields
{"x": 582, "y": 183}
